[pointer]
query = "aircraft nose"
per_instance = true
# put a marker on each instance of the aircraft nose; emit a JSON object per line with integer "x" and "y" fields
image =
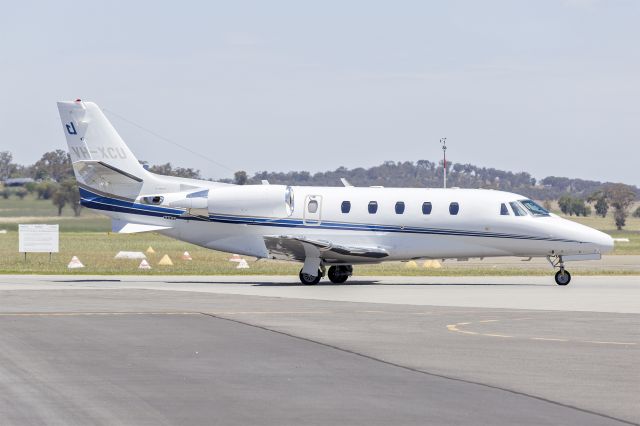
{"x": 603, "y": 241}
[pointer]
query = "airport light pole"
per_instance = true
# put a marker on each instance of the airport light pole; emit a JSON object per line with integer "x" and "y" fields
{"x": 443, "y": 141}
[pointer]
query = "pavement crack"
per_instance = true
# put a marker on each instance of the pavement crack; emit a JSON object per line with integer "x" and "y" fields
{"x": 419, "y": 371}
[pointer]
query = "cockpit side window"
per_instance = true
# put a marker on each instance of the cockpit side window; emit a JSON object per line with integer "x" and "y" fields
{"x": 534, "y": 209}
{"x": 504, "y": 211}
{"x": 517, "y": 209}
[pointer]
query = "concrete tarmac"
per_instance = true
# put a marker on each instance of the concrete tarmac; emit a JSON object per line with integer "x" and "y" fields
{"x": 261, "y": 350}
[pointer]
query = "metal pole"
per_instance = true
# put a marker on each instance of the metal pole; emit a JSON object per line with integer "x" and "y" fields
{"x": 443, "y": 141}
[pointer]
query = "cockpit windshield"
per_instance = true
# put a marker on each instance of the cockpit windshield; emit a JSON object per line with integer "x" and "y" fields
{"x": 534, "y": 208}
{"x": 517, "y": 209}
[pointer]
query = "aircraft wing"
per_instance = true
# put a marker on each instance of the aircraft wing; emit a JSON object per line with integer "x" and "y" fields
{"x": 291, "y": 247}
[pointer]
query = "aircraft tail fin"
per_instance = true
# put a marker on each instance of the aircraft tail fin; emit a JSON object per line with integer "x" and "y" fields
{"x": 91, "y": 137}
{"x": 93, "y": 140}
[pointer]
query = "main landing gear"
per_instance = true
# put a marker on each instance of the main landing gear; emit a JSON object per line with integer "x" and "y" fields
{"x": 563, "y": 277}
{"x": 337, "y": 274}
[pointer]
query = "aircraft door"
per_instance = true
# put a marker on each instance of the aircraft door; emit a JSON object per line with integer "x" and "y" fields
{"x": 312, "y": 209}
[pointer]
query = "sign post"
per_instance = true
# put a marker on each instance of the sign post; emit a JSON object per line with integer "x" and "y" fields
{"x": 36, "y": 238}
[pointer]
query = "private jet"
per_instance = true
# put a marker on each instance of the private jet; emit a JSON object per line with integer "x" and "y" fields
{"x": 327, "y": 229}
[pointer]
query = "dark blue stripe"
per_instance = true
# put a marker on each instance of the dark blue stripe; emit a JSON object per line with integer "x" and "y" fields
{"x": 99, "y": 202}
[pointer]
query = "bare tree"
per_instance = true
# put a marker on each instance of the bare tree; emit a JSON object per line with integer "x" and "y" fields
{"x": 6, "y": 165}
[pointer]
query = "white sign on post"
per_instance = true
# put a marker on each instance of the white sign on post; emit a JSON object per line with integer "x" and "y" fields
{"x": 38, "y": 238}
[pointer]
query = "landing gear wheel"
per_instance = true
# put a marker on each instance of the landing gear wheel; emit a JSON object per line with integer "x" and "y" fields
{"x": 308, "y": 279}
{"x": 339, "y": 274}
{"x": 563, "y": 277}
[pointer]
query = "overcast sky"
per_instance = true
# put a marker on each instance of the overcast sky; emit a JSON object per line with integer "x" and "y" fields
{"x": 549, "y": 87}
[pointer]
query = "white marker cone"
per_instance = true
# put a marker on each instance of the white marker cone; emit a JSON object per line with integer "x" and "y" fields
{"x": 75, "y": 263}
{"x": 242, "y": 264}
{"x": 235, "y": 258}
{"x": 144, "y": 264}
{"x": 186, "y": 256}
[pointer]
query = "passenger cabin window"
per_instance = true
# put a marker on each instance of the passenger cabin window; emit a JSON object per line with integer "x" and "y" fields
{"x": 518, "y": 210}
{"x": 373, "y": 207}
{"x": 426, "y": 207}
{"x": 399, "y": 207}
{"x": 312, "y": 207}
{"x": 454, "y": 208}
{"x": 534, "y": 208}
{"x": 346, "y": 206}
{"x": 504, "y": 211}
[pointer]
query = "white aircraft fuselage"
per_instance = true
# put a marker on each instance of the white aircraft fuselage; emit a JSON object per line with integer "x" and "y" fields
{"x": 334, "y": 227}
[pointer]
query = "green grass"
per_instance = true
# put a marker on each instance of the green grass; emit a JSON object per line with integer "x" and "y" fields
{"x": 104, "y": 246}
{"x": 14, "y": 211}
{"x": 87, "y": 237}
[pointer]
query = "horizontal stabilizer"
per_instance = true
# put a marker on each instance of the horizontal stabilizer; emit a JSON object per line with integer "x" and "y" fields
{"x": 107, "y": 179}
{"x": 123, "y": 227}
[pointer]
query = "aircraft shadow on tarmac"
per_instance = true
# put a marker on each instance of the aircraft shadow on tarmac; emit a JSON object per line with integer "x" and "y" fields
{"x": 361, "y": 283}
{"x": 87, "y": 281}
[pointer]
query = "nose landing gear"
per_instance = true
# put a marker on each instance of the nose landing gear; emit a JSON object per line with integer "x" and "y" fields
{"x": 563, "y": 277}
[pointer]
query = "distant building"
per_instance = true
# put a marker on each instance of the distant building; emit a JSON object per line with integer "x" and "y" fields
{"x": 18, "y": 181}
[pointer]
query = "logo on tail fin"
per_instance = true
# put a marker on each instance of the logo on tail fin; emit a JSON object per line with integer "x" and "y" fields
{"x": 71, "y": 129}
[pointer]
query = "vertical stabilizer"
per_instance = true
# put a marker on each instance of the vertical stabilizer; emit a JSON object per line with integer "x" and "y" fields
{"x": 91, "y": 137}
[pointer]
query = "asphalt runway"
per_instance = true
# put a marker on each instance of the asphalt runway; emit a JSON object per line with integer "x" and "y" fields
{"x": 262, "y": 350}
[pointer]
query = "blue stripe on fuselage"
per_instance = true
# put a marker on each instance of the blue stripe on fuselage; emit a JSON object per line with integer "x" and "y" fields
{"x": 100, "y": 202}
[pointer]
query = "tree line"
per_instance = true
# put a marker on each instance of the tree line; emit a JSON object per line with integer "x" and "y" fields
{"x": 55, "y": 180}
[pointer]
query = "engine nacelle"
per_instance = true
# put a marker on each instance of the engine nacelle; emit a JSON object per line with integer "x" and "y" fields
{"x": 252, "y": 200}
{"x": 241, "y": 200}
{"x": 197, "y": 199}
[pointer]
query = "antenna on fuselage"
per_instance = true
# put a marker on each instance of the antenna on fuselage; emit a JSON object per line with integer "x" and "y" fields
{"x": 443, "y": 141}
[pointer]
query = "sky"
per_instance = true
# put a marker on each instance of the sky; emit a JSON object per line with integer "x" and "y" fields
{"x": 551, "y": 87}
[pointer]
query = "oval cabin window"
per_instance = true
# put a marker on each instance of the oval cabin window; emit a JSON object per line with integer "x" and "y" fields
{"x": 426, "y": 207}
{"x": 312, "y": 207}
{"x": 373, "y": 207}
{"x": 399, "y": 207}
{"x": 454, "y": 208}
{"x": 345, "y": 207}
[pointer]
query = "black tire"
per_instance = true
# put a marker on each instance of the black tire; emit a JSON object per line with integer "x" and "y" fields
{"x": 338, "y": 274}
{"x": 563, "y": 277}
{"x": 307, "y": 279}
